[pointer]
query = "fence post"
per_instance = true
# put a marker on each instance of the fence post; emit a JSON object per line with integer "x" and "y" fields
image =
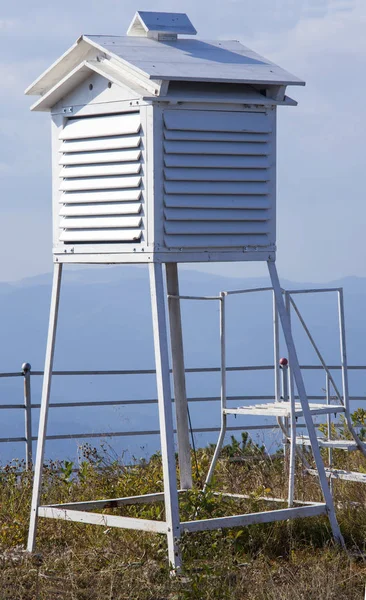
{"x": 26, "y": 369}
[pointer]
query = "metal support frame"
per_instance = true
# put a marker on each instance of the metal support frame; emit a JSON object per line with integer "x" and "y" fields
{"x": 282, "y": 306}
{"x": 179, "y": 376}
{"x": 344, "y": 397}
{"x": 223, "y": 394}
{"x": 292, "y": 421}
{"x": 165, "y": 413}
{"x": 43, "y": 417}
{"x": 329, "y": 428}
{"x": 171, "y": 526}
{"x": 342, "y": 330}
{"x": 295, "y": 366}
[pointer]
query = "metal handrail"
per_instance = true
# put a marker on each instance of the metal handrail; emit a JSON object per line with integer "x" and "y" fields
{"x": 26, "y": 373}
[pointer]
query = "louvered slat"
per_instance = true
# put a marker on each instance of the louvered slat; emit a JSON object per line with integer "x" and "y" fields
{"x": 216, "y": 174}
{"x": 101, "y": 179}
{"x": 82, "y": 210}
{"x": 104, "y": 170}
{"x": 233, "y": 227}
{"x": 213, "y": 214}
{"x": 246, "y": 148}
{"x": 97, "y": 144}
{"x": 109, "y": 196}
{"x": 87, "y": 158}
{"x": 101, "y": 126}
{"x": 110, "y": 222}
{"x": 217, "y": 202}
{"x": 237, "y": 188}
{"x": 101, "y": 235}
{"x": 93, "y": 183}
{"x": 216, "y": 162}
{"x": 217, "y": 171}
{"x": 216, "y": 136}
{"x": 199, "y": 120}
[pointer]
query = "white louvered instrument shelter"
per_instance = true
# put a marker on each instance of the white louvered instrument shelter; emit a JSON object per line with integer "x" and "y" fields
{"x": 164, "y": 147}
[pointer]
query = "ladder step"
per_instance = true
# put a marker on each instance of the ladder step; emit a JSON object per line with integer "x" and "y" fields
{"x": 339, "y": 474}
{"x": 348, "y": 445}
{"x": 283, "y": 409}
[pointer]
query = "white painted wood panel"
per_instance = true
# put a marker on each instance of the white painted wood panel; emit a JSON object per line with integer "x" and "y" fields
{"x": 216, "y": 241}
{"x": 216, "y": 161}
{"x": 88, "y": 158}
{"x": 101, "y": 126}
{"x": 214, "y": 214}
{"x": 197, "y": 171}
{"x": 105, "y": 143}
{"x": 94, "y": 222}
{"x": 81, "y": 210}
{"x": 194, "y": 147}
{"x": 219, "y": 228}
{"x": 221, "y": 175}
{"x": 201, "y": 120}
{"x": 215, "y": 136}
{"x": 101, "y": 235}
{"x": 218, "y": 202}
{"x": 216, "y": 187}
{"x": 95, "y": 183}
{"x": 104, "y": 170}
{"x": 101, "y": 196}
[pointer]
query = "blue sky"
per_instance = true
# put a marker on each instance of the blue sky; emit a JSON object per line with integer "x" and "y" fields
{"x": 321, "y": 145}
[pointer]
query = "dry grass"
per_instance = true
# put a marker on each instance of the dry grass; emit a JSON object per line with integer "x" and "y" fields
{"x": 278, "y": 561}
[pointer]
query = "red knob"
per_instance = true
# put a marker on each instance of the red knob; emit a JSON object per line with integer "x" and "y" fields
{"x": 283, "y": 362}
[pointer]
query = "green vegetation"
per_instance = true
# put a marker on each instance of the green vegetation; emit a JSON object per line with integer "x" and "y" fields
{"x": 280, "y": 561}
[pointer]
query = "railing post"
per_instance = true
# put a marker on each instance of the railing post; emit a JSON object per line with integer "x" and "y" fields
{"x": 26, "y": 369}
{"x": 329, "y": 428}
{"x": 283, "y": 363}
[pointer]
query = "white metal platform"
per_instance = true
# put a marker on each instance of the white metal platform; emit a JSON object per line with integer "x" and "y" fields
{"x": 283, "y": 409}
{"x": 348, "y": 445}
{"x": 341, "y": 474}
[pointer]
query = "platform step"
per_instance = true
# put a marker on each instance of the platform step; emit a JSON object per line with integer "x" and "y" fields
{"x": 340, "y": 474}
{"x": 282, "y": 409}
{"x": 348, "y": 445}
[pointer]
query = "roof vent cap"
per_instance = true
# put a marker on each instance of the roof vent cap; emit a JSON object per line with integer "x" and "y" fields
{"x": 160, "y": 25}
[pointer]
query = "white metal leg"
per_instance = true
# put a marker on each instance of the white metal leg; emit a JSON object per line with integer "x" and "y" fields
{"x": 223, "y": 392}
{"x": 286, "y": 326}
{"x": 165, "y": 413}
{"x": 276, "y": 351}
{"x": 43, "y": 417}
{"x": 179, "y": 377}
{"x": 292, "y": 428}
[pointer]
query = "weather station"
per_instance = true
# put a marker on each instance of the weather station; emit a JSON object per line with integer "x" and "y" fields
{"x": 164, "y": 152}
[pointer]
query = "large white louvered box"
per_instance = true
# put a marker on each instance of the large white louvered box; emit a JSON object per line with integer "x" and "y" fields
{"x": 163, "y": 150}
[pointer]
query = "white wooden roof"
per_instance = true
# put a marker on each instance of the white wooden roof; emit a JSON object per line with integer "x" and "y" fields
{"x": 148, "y": 61}
{"x": 195, "y": 60}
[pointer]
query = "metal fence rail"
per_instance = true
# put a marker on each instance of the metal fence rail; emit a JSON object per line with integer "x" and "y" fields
{"x": 27, "y": 406}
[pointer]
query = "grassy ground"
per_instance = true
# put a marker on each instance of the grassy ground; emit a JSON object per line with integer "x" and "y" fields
{"x": 281, "y": 561}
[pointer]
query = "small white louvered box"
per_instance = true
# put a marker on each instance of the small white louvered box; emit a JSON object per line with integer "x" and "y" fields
{"x": 164, "y": 148}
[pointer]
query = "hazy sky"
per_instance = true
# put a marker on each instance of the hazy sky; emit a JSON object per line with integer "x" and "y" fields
{"x": 321, "y": 145}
